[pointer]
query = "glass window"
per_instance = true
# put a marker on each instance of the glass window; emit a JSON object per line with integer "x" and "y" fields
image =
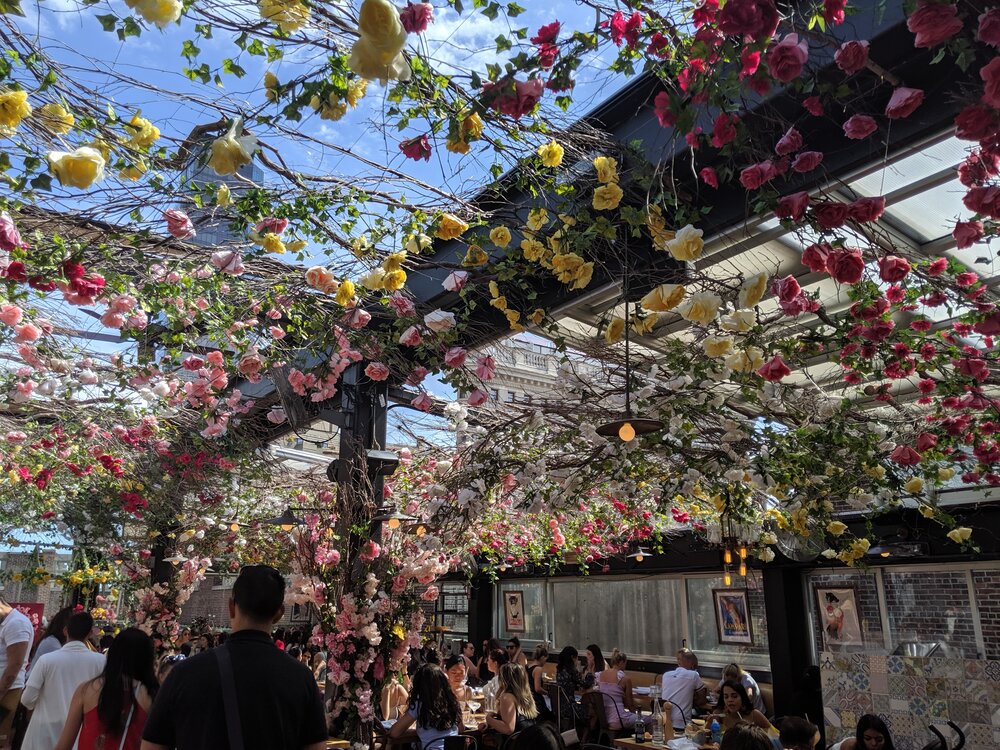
{"x": 509, "y": 396}
{"x": 704, "y": 630}
{"x": 928, "y": 607}
{"x": 533, "y": 593}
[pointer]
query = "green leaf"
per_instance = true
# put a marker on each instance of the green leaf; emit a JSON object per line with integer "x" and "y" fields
{"x": 273, "y": 53}
{"x": 130, "y": 27}
{"x": 42, "y": 182}
{"x": 939, "y": 56}
{"x": 491, "y": 11}
{"x": 49, "y": 80}
{"x": 11, "y": 8}
{"x": 256, "y": 47}
{"x": 189, "y": 50}
{"x": 231, "y": 67}
{"x": 514, "y": 10}
{"x": 503, "y": 43}
{"x": 108, "y": 22}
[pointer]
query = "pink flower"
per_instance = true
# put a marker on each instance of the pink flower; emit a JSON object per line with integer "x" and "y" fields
{"x": 786, "y": 289}
{"x": 786, "y": 58}
{"x": 416, "y": 17}
{"x": 774, "y": 369}
{"x": 478, "y": 397}
{"x": 937, "y": 267}
{"x": 27, "y": 332}
{"x": 178, "y": 224}
{"x": 807, "y": 161}
{"x": 813, "y": 106}
{"x": 831, "y": 215}
{"x": 926, "y": 441}
{"x": 626, "y": 30}
{"x": 357, "y": 318}
{"x": 834, "y": 11}
{"x": 989, "y": 27}
{"x": 547, "y": 34}
{"x": 369, "y": 551}
{"x": 933, "y": 23}
{"x": 417, "y": 375}
{"x": 755, "y": 175}
{"x": 845, "y": 265}
{"x": 792, "y": 206}
{"x": 661, "y": 108}
{"x": 757, "y": 19}
{"x": 228, "y": 261}
{"x": 709, "y": 177}
{"x": 403, "y": 306}
{"x": 430, "y": 594}
{"x": 892, "y": 268}
{"x": 904, "y": 455}
{"x": 749, "y": 62}
{"x": 724, "y": 129}
{"x": 272, "y": 225}
{"x": 277, "y": 333}
{"x": 966, "y": 234}
{"x": 455, "y": 280}
{"x": 411, "y": 337}
{"x": 975, "y": 123}
{"x": 852, "y": 56}
{"x": 865, "y": 210}
{"x": 983, "y": 200}
{"x": 486, "y": 367}
{"x": 10, "y": 238}
{"x": 377, "y": 371}
{"x": 276, "y": 415}
{"x": 455, "y": 356}
{"x": 990, "y": 73}
{"x": 859, "y": 126}
{"x": 903, "y": 102}
{"x": 790, "y": 143}
{"x": 416, "y": 148}
{"x": 11, "y": 314}
{"x": 422, "y": 402}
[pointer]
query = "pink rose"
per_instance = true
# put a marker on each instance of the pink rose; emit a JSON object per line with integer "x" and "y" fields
{"x": 926, "y": 441}
{"x": 430, "y": 594}
{"x": 990, "y": 73}
{"x": 422, "y": 402}
{"x": 983, "y": 200}
{"x": 709, "y": 177}
{"x": 975, "y": 123}
{"x": 455, "y": 281}
{"x": 661, "y": 108}
{"x": 547, "y": 34}
{"x": 845, "y": 265}
{"x": 813, "y": 106}
{"x": 966, "y": 234}
{"x": 786, "y": 58}
{"x": 903, "y": 102}
{"x": 228, "y": 261}
{"x": 403, "y": 306}
{"x": 27, "y": 332}
{"x": 272, "y": 225}
{"x": 786, "y": 289}
{"x": 724, "y": 129}
{"x": 815, "y": 257}
{"x": 416, "y": 148}
{"x": 774, "y": 369}
{"x": 416, "y": 17}
{"x": 792, "y": 206}
{"x": 748, "y": 18}
{"x": 357, "y": 318}
{"x": 865, "y": 210}
{"x": 904, "y": 455}
{"x": 370, "y": 551}
{"x": 892, "y": 268}
{"x": 411, "y": 337}
{"x": 417, "y": 375}
{"x": 10, "y": 238}
{"x": 937, "y": 267}
{"x": 852, "y": 56}
{"x": 831, "y": 215}
{"x": 790, "y": 142}
{"x": 834, "y": 11}
{"x": 478, "y": 397}
{"x": 377, "y": 371}
{"x": 757, "y": 174}
{"x": 859, "y": 126}
{"x": 455, "y": 356}
{"x": 178, "y": 224}
{"x": 989, "y": 27}
{"x": 11, "y": 314}
{"x": 486, "y": 367}
{"x": 933, "y": 23}
{"x": 807, "y": 161}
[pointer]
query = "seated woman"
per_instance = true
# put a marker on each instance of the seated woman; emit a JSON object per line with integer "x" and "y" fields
{"x": 491, "y": 690}
{"x": 432, "y": 708}
{"x": 871, "y": 734}
{"x": 394, "y": 697}
{"x": 515, "y": 707}
{"x": 745, "y": 736}
{"x": 737, "y": 707}
{"x": 570, "y": 682}
{"x": 616, "y": 689}
{"x": 483, "y": 667}
{"x": 798, "y": 734}
{"x": 535, "y": 678}
{"x": 736, "y": 673}
{"x": 595, "y": 660}
{"x": 454, "y": 667}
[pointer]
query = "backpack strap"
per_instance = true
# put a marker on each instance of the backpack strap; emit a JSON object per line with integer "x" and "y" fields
{"x": 228, "y": 683}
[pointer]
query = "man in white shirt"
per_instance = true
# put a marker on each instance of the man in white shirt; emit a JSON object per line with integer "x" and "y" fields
{"x": 16, "y": 635}
{"x": 53, "y": 680}
{"x": 681, "y": 686}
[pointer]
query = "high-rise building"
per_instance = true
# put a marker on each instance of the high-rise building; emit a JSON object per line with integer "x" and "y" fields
{"x": 211, "y": 222}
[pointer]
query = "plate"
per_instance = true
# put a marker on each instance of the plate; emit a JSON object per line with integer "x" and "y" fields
{"x": 641, "y": 690}
{"x": 387, "y": 723}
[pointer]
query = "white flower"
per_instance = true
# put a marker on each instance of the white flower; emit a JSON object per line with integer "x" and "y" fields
{"x": 455, "y": 281}
{"x": 439, "y": 320}
{"x": 766, "y": 554}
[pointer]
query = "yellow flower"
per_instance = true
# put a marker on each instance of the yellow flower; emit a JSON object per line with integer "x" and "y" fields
{"x": 740, "y": 321}
{"x": 499, "y": 302}
{"x": 514, "y": 320}
{"x": 687, "y": 244}
{"x": 494, "y": 289}
{"x": 417, "y": 243}
{"x": 134, "y": 171}
{"x": 752, "y": 290}
{"x": 14, "y": 107}
{"x": 223, "y": 196}
{"x": 551, "y": 154}
{"x": 663, "y": 298}
{"x": 393, "y": 262}
{"x": 914, "y": 485}
{"x": 750, "y": 359}
{"x": 80, "y": 168}
{"x": 475, "y": 256}
{"x": 717, "y": 346}
{"x": 449, "y": 226}
{"x": 345, "y": 294}
{"x": 944, "y": 474}
{"x": 607, "y": 169}
{"x": 331, "y": 108}
{"x": 836, "y": 528}
{"x": 537, "y": 316}
{"x": 533, "y": 249}
{"x": 701, "y": 308}
{"x": 230, "y": 152}
{"x": 159, "y": 12}
{"x": 614, "y": 330}
{"x": 607, "y": 197}
{"x": 927, "y": 511}
{"x": 356, "y": 90}
{"x": 377, "y": 55}
{"x": 565, "y": 266}
{"x": 583, "y": 276}
{"x": 567, "y": 220}
{"x": 288, "y": 15}
{"x": 472, "y": 126}
{"x": 960, "y": 535}
{"x": 537, "y": 218}
{"x": 394, "y": 281}
{"x": 374, "y": 279}
{"x": 272, "y": 243}
{"x": 500, "y": 236}
{"x": 456, "y": 147}
{"x": 642, "y": 326}
{"x": 55, "y": 118}
{"x": 271, "y": 86}
{"x": 877, "y": 471}
{"x": 296, "y": 245}
{"x": 360, "y": 246}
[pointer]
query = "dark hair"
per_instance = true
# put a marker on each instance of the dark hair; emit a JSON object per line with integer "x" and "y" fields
{"x": 515, "y": 640}
{"x": 186, "y": 648}
{"x": 541, "y": 652}
{"x": 870, "y": 722}
{"x": 106, "y": 640}
{"x": 797, "y": 733}
{"x": 79, "y": 626}
{"x": 499, "y": 657}
{"x": 259, "y": 592}
{"x": 567, "y": 660}
{"x": 741, "y": 691}
{"x": 58, "y": 624}
{"x": 453, "y": 660}
{"x": 129, "y": 658}
{"x": 295, "y": 652}
{"x": 746, "y": 736}
{"x": 493, "y": 643}
{"x": 432, "y": 699}
{"x": 599, "y": 660}
{"x": 537, "y": 737}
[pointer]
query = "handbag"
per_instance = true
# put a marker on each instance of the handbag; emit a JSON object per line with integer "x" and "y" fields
{"x": 570, "y": 737}
{"x": 128, "y": 721}
{"x": 228, "y": 684}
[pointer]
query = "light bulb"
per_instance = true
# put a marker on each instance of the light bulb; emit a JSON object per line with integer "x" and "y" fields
{"x": 503, "y": 568}
{"x": 727, "y": 556}
{"x": 639, "y": 557}
{"x": 884, "y": 554}
{"x": 626, "y": 432}
{"x": 421, "y": 530}
{"x": 234, "y": 527}
{"x": 727, "y": 579}
{"x": 743, "y": 552}
{"x": 287, "y": 527}
{"x": 743, "y": 569}
{"x": 393, "y": 523}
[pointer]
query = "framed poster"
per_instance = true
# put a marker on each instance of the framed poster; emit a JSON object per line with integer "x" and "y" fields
{"x": 33, "y": 611}
{"x": 513, "y": 611}
{"x": 838, "y": 617}
{"x": 732, "y": 616}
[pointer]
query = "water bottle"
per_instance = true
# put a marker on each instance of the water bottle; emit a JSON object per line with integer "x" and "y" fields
{"x": 716, "y": 729}
{"x": 640, "y": 729}
{"x": 657, "y": 720}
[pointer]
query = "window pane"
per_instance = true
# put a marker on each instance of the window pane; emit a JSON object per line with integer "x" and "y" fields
{"x": 534, "y": 611}
{"x": 704, "y": 629}
{"x": 928, "y": 607}
{"x": 862, "y": 614}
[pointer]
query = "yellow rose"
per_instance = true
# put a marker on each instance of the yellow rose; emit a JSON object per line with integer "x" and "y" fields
{"x": 701, "y": 308}
{"x": 565, "y": 266}
{"x": 878, "y": 472}
{"x": 607, "y": 197}
{"x": 582, "y": 276}
{"x": 230, "y": 152}
{"x": 960, "y": 535}
{"x": 223, "y": 196}
{"x": 296, "y": 245}
{"x": 475, "y": 256}
{"x": 551, "y": 154}
{"x": 752, "y": 290}
{"x": 330, "y": 108}
{"x": 288, "y": 15}
{"x": 914, "y": 485}
{"x": 159, "y": 12}
{"x": 472, "y": 126}
{"x": 945, "y": 474}
{"x": 663, "y": 298}
{"x": 717, "y": 346}
{"x": 378, "y": 53}
{"x": 345, "y": 294}
{"x": 926, "y": 511}
{"x": 514, "y": 320}
{"x": 614, "y": 330}
{"x": 750, "y": 359}
{"x": 500, "y": 236}
{"x": 456, "y": 147}
{"x": 449, "y": 227}
{"x": 55, "y": 118}
{"x": 271, "y": 86}
{"x": 687, "y": 244}
{"x": 393, "y": 262}
{"x": 80, "y": 168}
{"x": 356, "y": 90}
{"x": 740, "y": 321}
{"x": 272, "y": 243}
{"x": 607, "y": 169}
{"x": 836, "y": 528}
{"x": 499, "y": 302}
{"x": 14, "y": 107}
{"x": 567, "y": 220}
{"x": 537, "y": 316}
{"x": 537, "y": 218}
{"x": 417, "y": 243}
{"x": 134, "y": 171}
{"x": 375, "y": 279}
{"x": 642, "y": 326}
{"x": 533, "y": 250}
{"x": 394, "y": 281}
{"x": 494, "y": 289}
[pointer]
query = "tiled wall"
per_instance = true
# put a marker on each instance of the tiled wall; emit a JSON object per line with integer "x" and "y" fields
{"x": 987, "y": 585}
{"x": 909, "y": 693}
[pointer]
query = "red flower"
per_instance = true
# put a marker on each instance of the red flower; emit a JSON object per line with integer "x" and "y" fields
{"x": 73, "y": 270}
{"x": 982, "y": 200}
{"x": 15, "y": 272}
{"x": 815, "y": 257}
{"x": 852, "y": 56}
{"x": 926, "y": 441}
{"x": 892, "y": 268}
{"x": 859, "y": 126}
{"x": 845, "y": 265}
{"x": 659, "y": 46}
{"x": 833, "y": 11}
{"x": 989, "y": 27}
{"x": 933, "y": 23}
{"x": 42, "y": 284}
{"x": 975, "y": 122}
{"x": 786, "y": 58}
{"x": 786, "y": 289}
{"x": 792, "y": 206}
{"x": 625, "y": 30}
{"x": 937, "y": 267}
{"x": 990, "y": 73}
{"x": 757, "y": 174}
{"x": 757, "y": 19}
{"x": 709, "y": 177}
{"x": 661, "y": 108}
{"x": 90, "y": 286}
{"x": 705, "y": 13}
{"x": 416, "y": 17}
{"x": 807, "y": 161}
{"x": 724, "y": 129}
{"x": 547, "y": 34}
{"x": 831, "y": 215}
{"x": 990, "y": 326}
{"x": 977, "y": 168}
{"x": 813, "y": 106}
{"x": 967, "y": 233}
{"x": 750, "y": 61}
{"x": 416, "y": 148}
{"x": 904, "y": 455}
{"x": 903, "y": 102}
{"x": 790, "y": 142}
{"x": 547, "y": 54}
{"x": 864, "y": 210}
{"x": 774, "y": 370}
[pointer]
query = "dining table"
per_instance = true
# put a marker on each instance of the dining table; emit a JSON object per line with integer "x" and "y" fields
{"x": 629, "y": 743}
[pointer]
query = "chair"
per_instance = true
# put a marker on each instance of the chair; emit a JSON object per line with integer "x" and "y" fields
{"x": 461, "y": 742}
{"x": 596, "y": 747}
{"x": 541, "y": 736}
{"x": 596, "y": 728}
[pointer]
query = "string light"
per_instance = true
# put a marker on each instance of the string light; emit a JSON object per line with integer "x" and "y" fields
{"x": 626, "y": 432}
{"x": 727, "y": 579}
{"x": 743, "y": 552}
{"x": 727, "y": 556}
{"x": 743, "y": 569}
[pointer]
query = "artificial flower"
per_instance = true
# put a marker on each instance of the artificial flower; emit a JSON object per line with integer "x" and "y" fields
{"x": 607, "y": 197}
{"x": 551, "y": 154}
{"x": 14, "y": 107}
{"x": 55, "y": 118}
{"x": 752, "y": 290}
{"x": 663, "y": 298}
{"x": 230, "y": 152}
{"x": 287, "y": 15}
{"x": 80, "y": 168}
{"x": 687, "y": 243}
{"x": 450, "y": 227}
{"x": 701, "y": 308}
{"x": 607, "y": 169}
{"x": 500, "y": 236}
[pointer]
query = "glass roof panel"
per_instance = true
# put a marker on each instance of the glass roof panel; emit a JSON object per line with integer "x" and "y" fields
{"x": 948, "y": 153}
{"x": 929, "y": 215}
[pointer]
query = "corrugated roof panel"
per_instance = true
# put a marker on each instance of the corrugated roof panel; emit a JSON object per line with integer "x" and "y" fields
{"x": 948, "y": 153}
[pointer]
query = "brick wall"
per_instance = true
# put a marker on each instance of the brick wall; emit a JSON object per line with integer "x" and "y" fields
{"x": 931, "y": 606}
{"x": 866, "y": 597}
{"x": 987, "y": 587}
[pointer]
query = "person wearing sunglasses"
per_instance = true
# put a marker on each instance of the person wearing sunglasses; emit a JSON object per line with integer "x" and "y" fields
{"x": 514, "y": 653}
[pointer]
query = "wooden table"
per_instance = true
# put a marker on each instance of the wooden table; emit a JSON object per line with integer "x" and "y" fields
{"x": 335, "y": 743}
{"x": 628, "y": 744}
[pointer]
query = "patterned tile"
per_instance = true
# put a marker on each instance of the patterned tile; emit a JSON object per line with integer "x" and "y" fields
{"x": 978, "y": 734}
{"x": 880, "y": 704}
{"x": 918, "y": 706}
{"x": 992, "y": 671}
{"x": 995, "y": 717}
{"x": 832, "y": 717}
{"x": 897, "y": 684}
{"x": 938, "y": 710}
{"x": 974, "y": 669}
{"x": 938, "y": 687}
{"x": 878, "y": 664}
{"x": 860, "y": 663}
{"x": 860, "y": 681}
{"x": 958, "y": 711}
{"x": 879, "y": 683}
{"x": 939, "y": 667}
{"x": 979, "y": 713}
{"x": 894, "y": 664}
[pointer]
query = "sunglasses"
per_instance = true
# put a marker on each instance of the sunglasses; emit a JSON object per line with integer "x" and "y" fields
{"x": 511, "y": 646}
